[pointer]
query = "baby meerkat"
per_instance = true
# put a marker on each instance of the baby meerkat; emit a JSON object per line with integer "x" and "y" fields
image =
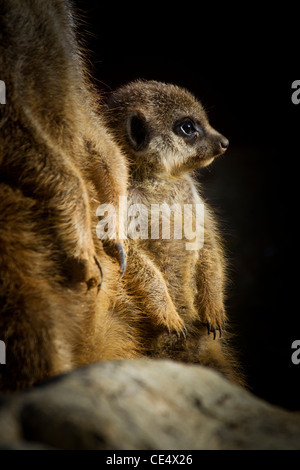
{"x": 165, "y": 134}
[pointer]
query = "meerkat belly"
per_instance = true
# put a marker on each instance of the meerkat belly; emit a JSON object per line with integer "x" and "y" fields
{"x": 170, "y": 236}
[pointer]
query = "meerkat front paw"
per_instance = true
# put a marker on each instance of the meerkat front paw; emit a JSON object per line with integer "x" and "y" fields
{"x": 171, "y": 320}
{"x": 176, "y": 326}
{"x": 214, "y": 330}
{"x": 214, "y": 320}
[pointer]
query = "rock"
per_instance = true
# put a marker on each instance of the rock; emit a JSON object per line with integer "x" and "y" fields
{"x": 144, "y": 404}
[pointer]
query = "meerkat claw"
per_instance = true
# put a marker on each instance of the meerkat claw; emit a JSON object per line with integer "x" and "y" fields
{"x": 116, "y": 250}
{"x": 214, "y": 330}
{"x": 122, "y": 258}
{"x": 181, "y": 334}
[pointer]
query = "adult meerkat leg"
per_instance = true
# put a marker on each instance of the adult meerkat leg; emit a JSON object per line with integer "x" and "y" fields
{"x": 107, "y": 169}
{"x": 40, "y": 142}
{"x": 56, "y": 189}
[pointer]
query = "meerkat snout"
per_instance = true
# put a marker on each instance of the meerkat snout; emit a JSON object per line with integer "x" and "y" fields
{"x": 216, "y": 144}
{"x": 224, "y": 144}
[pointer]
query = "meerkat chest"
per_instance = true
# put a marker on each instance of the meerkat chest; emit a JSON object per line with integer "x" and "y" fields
{"x": 168, "y": 219}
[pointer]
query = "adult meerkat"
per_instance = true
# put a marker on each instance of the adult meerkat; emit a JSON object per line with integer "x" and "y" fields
{"x": 56, "y": 158}
{"x": 165, "y": 134}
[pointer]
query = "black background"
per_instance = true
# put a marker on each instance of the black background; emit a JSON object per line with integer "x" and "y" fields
{"x": 244, "y": 81}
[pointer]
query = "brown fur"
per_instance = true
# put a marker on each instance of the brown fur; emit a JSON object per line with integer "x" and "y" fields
{"x": 57, "y": 163}
{"x": 174, "y": 288}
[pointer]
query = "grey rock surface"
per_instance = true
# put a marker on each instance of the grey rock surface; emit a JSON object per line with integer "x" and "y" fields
{"x": 144, "y": 404}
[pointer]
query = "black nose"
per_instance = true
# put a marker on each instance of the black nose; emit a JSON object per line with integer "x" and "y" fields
{"x": 224, "y": 144}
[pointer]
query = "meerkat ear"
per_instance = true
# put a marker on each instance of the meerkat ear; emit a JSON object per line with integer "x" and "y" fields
{"x": 137, "y": 131}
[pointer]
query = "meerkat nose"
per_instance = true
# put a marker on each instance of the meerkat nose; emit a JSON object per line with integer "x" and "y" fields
{"x": 224, "y": 143}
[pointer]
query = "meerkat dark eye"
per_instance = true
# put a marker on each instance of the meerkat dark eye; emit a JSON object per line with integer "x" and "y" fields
{"x": 186, "y": 128}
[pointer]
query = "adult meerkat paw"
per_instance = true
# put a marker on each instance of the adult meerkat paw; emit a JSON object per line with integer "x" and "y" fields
{"x": 117, "y": 250}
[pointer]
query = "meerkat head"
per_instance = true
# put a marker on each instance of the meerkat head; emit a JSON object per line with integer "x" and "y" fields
{"x": 162, "y": 127}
